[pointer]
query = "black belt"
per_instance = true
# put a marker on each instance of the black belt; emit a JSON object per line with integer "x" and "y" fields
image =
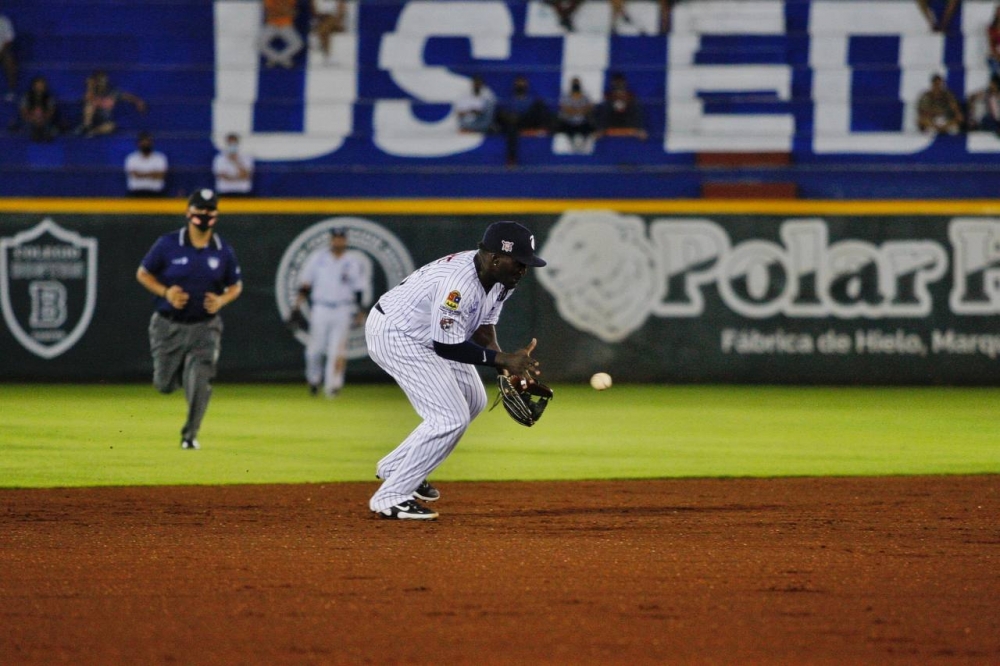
{"x": 378, "y": 306}
{"x": 179, "y": 318}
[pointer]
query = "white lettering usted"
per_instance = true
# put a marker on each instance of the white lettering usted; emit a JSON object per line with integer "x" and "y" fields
{"x": 330, "y": 93}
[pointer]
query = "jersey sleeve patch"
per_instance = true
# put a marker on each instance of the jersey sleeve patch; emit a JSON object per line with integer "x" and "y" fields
{"x": 447, "y": 323}
{"x": 453, "y": 299}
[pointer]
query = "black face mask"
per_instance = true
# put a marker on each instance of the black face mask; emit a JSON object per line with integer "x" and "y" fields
{"x": 202, "y": 220}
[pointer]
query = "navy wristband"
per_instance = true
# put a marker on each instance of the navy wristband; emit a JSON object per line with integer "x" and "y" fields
{"x": 466, "y": 352}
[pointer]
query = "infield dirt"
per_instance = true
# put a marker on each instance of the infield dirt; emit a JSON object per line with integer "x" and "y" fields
{"x": 785, "y": 571}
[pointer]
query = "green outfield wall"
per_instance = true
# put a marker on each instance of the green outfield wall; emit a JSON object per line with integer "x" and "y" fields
{"x": 780, "y": 292}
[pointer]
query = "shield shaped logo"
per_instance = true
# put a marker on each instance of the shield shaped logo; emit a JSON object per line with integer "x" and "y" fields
{"x": 48, "y": 287}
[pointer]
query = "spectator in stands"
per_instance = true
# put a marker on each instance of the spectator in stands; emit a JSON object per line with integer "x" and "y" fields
{"x": 476, "y": 110}
{"x": 146, "y": 169}
{"x": 984, "y": 108}
{"x": 942, "y": 24}
{"x": 38, "y": 111}
{"x": 575, "y": 118}
{"x": 233, "y": 169}
{"x": 666, "y": 13}
{"x": 99, "y": 104}
{"x": 620, "y": 114}
{"x": 7, "y": 57}
{"x": 522, "y": 113}
{"x": 328, "y": 17}
{"x": 279, "y": 24}
{"x": 565, "y": 9}
{"x": 938, "y": 110}
{"x": 619, "y": 15}
{"x": 993, "y": 37}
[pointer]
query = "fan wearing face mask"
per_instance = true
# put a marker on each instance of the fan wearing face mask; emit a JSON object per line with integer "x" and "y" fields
{"x": 146, "y": 169}
{"x": 233, "y": 169}
{"x": 193, "y": 274}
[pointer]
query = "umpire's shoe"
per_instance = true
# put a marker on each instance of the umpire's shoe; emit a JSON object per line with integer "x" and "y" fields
{"x": 408, "y": 510}
{"x": 427, "y": 492}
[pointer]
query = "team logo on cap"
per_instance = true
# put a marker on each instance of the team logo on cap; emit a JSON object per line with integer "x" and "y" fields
{"x": 207, "y": 194}
{"x": 506, "y": 246}
{"x": 454, "y": 298}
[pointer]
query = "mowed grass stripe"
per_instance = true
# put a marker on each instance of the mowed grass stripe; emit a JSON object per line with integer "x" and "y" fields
{"x": 88, "y": 435}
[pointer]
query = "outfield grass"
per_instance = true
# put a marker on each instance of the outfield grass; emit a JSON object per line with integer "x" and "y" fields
{"x": 62, "y": 435}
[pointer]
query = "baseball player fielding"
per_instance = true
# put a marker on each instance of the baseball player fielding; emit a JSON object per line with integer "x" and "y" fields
{"x": 428, "y": 332}
{"x": 600, "y": 381}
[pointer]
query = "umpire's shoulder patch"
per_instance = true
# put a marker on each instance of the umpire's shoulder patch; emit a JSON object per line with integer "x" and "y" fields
{"x": 453, "y": 299}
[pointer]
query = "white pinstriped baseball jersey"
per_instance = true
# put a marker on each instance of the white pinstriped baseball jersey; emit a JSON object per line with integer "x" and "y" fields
{"x": 444, "y": 301}
{"x": 334, "y": 280}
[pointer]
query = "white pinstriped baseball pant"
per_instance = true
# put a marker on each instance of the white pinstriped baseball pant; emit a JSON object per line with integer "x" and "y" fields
{"x": 328, "y": 329}
{"x": 447, "y": 395}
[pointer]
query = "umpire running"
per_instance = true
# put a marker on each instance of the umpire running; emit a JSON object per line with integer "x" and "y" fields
{"x": 193, "y": 273}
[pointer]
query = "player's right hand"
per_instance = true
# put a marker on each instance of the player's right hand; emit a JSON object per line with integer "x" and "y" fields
{"x": 177, "y": 297}
{"x": 520, "y": 362}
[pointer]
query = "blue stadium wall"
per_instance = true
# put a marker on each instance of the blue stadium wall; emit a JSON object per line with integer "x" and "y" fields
{"x": 829, "y": 83}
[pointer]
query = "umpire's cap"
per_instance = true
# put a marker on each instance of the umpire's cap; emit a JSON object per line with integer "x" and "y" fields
{"x": 204, "y": 199}
{"x": 513, "y": 239}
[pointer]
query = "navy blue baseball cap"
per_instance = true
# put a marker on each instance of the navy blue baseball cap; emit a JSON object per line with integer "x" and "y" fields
{"x": 514, "y": 239}
{"x": 204, "y": 199}
{"x": 338, "y": 231}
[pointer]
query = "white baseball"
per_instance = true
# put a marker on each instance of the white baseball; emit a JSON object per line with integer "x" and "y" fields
{"x": 601, "y": 381}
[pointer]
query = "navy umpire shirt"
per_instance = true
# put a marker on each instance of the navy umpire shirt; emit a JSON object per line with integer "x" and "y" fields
{"x": 174, "y": 261}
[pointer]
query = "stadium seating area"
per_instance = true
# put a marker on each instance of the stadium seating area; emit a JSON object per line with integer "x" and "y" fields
{"x": 738, "y": 77}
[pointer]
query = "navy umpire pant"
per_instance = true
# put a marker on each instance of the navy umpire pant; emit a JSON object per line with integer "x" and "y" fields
{"x": 186, "y": 354}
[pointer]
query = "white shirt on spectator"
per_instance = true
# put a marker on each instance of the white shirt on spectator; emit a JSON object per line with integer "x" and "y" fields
{"x": 146, "y": 173}
{"x": 476, "y": 103}
{"x": 227, "y": 173}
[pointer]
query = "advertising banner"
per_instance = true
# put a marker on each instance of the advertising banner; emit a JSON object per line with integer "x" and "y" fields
{"x": 832, "y": 299}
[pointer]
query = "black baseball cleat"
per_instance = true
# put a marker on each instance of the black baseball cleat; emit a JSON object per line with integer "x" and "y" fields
{"x": 408, "y": 510}
{"x": 427, "y": 492}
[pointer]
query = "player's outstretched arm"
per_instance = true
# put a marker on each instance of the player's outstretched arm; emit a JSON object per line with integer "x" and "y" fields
{"x": 516, "y": 363}
{"x": 486, "y": 336}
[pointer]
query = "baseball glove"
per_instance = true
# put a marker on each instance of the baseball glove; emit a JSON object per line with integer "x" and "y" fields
{"x": 297, "y": 321}
{"x": 518, "y": 398}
